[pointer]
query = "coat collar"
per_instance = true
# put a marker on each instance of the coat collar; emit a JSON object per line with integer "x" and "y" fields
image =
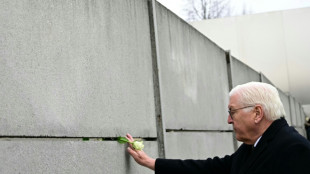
{"x": 267, "y": 136}
{"x": 273, "y": 129}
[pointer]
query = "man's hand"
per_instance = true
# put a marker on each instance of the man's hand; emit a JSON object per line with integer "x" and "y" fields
{"x": 139, "y": 155}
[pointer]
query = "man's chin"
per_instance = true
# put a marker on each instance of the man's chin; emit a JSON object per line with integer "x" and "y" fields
{"x": 238, "y": 138}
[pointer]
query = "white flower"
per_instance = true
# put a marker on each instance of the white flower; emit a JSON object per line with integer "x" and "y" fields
{"x": 138, "y": 145}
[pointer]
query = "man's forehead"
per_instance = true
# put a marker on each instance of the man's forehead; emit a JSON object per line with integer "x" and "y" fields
{"x": 232, "y": 100}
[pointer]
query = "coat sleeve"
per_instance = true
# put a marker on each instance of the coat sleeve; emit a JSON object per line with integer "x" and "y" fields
{"x": 209, "y": 166}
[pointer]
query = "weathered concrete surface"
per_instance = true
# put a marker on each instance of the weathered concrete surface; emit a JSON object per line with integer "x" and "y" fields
{"x": 198, "y": 145}
{"x": 303, "y": 115}
{"x": 298, "y": 114}
{"x": 286, "y": 104}
{"x": 193, "y": 76}
{"x": 63, "y": 156}
{"x": 242, "y": 73}
{"x": 76, "y": 68}
{"x": 293, "y": 111}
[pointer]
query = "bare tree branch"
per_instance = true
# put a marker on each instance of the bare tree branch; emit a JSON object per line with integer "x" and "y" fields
{"x": 207, "y": 9}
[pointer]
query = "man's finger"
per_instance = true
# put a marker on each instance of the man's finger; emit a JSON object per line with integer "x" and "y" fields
{"x": 132, "y": 152}
{"x": 129, "y": 137}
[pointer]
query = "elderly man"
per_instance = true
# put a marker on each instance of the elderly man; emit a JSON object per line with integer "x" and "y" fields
{"x": 269, "y": 144}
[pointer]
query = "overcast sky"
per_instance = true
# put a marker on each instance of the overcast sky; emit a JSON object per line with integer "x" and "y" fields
{"x": 256, "y": 6}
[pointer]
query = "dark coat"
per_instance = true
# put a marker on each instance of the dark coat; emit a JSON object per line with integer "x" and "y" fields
{"x": 281, "y": 150}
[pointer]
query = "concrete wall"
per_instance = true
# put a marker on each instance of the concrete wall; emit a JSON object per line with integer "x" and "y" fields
{"x": 293, "y": 111}
{"x": 265, "y": 79}
{"x": 199, "y": 145}
{"x": 194, "y": 88}
{"x": 95, "y": 70}
{"x": 286, "y": 103}
{"x": 68, "y": 156}
{"x": 298, "y": 114}
{"x": 70, "y": 69}
{"x": 306, "y": 109}
{"x": 242, "y": 73}
{"x": 193, "y": 73}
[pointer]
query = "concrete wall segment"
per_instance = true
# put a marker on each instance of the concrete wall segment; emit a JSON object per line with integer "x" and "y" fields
{"x": 199, "y": 145}
{"x": 193, "y": 76}
{"x": 59, "y": 156}
{"x": 265, "y": 79}
{"x": 293, "y": 111}
{"x": 286, "y": 104}
{"x": 71, "y": 68}
{"x": 160, "y": 123}
{"x": 242, "y": 73}
{"x": 306, "y": 109}
{"x": 298, "y": 114}
{"x": 303, "y": 115}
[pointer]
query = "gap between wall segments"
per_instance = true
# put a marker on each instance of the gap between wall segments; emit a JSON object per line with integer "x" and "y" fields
{"x": 64, "y": 138}
{"x": 190, "y": 130}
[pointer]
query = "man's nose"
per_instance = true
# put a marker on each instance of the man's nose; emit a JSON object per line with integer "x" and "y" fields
{"x": 229, "y": 119}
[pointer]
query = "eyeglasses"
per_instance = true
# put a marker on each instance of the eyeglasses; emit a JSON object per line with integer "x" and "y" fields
{"x": 232, "y": 112}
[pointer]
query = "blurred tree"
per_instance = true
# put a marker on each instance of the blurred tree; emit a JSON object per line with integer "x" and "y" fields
{"x": 206, "y": 9}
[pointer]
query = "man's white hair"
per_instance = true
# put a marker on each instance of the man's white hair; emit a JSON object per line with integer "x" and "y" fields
{"x": 263, "y": 94}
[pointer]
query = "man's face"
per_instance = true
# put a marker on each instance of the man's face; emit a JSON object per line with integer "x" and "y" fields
{"x": 242, "y": 120}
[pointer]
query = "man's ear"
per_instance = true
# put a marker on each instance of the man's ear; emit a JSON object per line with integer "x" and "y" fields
{"x": 259, "y": 114}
